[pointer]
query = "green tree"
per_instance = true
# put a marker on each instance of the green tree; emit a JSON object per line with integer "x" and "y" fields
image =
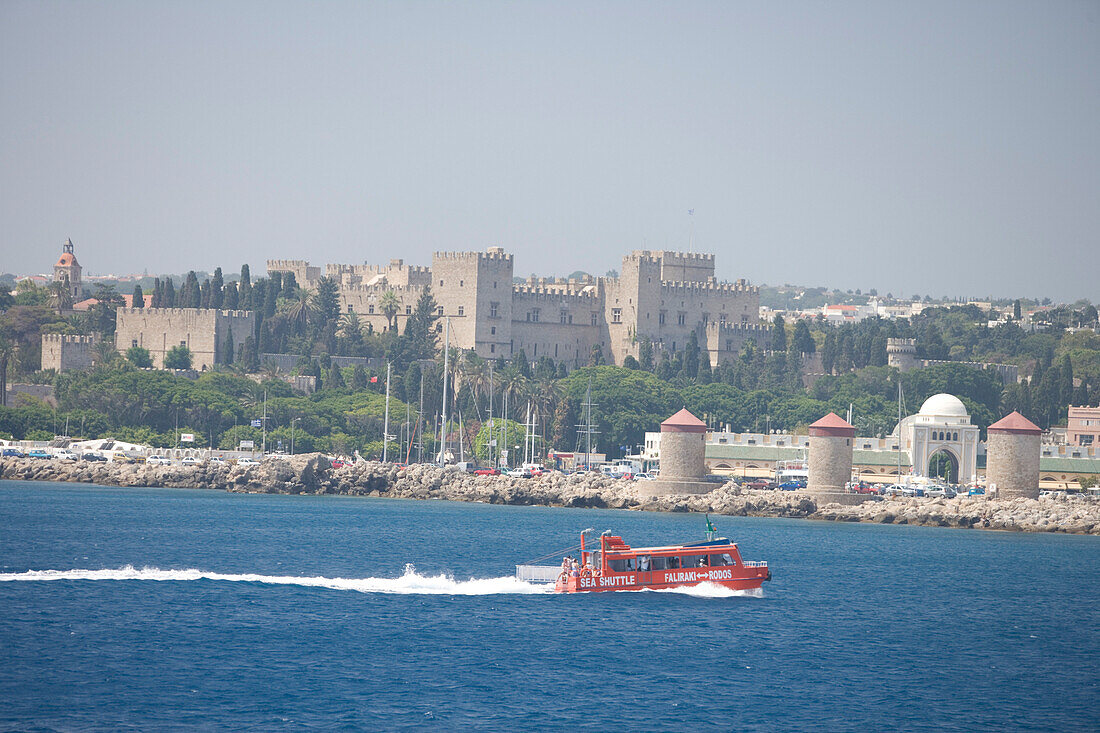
{"x": 327, "y": 300}
{"x": 178, "y": 357}
{"x": 779, "y": 333}
{"x": 803, "y": 341}
{"x": 645, "y": 354}
{"x": 139, "y": 357}
{"x": 138, "y": 298}
{"x": 227, "y": 348}
{"x": 389, "y": 306}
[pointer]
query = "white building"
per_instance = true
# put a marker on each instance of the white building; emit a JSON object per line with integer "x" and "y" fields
{"x": 941, "y": 426}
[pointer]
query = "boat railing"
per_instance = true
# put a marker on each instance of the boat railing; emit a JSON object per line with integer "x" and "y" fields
{"x": 755, "y": 563}
{"x": 538, "y": 573}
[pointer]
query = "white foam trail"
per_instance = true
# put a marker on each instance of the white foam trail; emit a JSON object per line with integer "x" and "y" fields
{"x": 411, "y": 582}
{"x": 712, "y": 590}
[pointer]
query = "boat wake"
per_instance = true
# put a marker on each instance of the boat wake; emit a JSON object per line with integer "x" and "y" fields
{"x": 411, "y": 583}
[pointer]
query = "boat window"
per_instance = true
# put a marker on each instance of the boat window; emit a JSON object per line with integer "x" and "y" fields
{"x": 720, "y": 560}
{"x": 694, "y": 561}
{"x": 673, "y": 563}
{"x": 660, "y": 563}
{"x": 644, "y": 563}
{"x": 617, "y": 564}
{"x": 631, "y": 564}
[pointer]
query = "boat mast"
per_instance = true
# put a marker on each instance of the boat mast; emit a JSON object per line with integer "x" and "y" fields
{"x": 899, "y": 427}
{"x": 446, "y": 369}
{"x": 419, "y": 427}
{"x": 386, "y": 423}
{"x": 492, "y": 437}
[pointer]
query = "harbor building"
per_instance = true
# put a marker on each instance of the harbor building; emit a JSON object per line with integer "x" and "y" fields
{"x": 1083, "y": 426}
{"x": 662, "y": 297}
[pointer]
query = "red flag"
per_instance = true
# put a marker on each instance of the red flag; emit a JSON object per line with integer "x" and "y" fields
{"x": 373, "y": 380}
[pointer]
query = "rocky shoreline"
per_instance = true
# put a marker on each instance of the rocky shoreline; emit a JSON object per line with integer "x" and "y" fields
{"x": 312, "y": 474}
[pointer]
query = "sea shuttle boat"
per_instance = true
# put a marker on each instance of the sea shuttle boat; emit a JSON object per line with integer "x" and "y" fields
{"x": 618, "y": 566}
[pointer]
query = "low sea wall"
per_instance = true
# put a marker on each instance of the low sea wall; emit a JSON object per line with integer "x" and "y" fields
{"x": 313, "y": 474}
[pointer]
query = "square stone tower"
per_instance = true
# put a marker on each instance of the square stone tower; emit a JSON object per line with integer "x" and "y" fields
{"x": 68, "y": 267}
{"x": 475, "y": 290}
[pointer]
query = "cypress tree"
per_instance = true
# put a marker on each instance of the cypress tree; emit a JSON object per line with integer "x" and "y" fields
{"x": 158, "y": 292}
{"x": 217, "y": 283}
{"x": 138, "y": 300}
{"x": 227, "y": 350}
{"x": 229, "y": 298}
{"x": 169, "y": 295}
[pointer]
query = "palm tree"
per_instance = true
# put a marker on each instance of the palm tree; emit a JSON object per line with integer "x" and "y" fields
{"x": 389, "y": 305}
{"x": 301, "y": 310}
{"x": 61, "y": 297}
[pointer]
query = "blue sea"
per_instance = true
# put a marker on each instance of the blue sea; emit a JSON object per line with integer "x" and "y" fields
{"x": 163, "y": 609}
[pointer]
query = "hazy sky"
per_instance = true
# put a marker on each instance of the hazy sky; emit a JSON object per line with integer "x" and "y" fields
{"x": 944, "y": 148}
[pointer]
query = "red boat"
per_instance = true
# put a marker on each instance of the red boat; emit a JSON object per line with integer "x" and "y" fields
{"x": 618, "y": 566}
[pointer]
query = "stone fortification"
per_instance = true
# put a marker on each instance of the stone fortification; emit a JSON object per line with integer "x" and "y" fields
{"x": 66, "y": 352}
{"x": 660, "y": 296}
{"x": 202, "y": 330}
{"x": 305, "y": 275}
{"x": 1012, "y": 457}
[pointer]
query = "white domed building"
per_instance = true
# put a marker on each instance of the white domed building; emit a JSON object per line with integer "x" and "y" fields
{"x": 942, "y": 427}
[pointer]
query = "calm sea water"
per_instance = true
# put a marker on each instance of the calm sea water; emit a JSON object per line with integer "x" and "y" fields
{"x": 863, "y": 627}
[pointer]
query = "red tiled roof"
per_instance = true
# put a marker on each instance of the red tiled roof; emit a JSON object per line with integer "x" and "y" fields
{"x": 1014, "y": 422}
{"x": 683, "y": 422}
{"x": 66, "y": 260}
{"x": 832, "y": 425}
{"x": 832, "y": 420}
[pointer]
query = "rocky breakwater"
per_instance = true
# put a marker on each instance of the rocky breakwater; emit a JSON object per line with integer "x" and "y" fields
{"x": 314, "y": 474}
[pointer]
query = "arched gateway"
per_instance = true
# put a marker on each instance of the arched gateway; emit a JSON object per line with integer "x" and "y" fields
{"x": 941, "y": 432}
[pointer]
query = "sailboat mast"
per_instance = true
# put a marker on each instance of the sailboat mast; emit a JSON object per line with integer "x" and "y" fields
{"x": 386, "y": 423}
{"x": 446, "y": 370}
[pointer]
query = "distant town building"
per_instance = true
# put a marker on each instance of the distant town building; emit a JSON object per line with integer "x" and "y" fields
{"x": 67, "y": 268}
{"x": 659, "y": 296}
{"x": 1083, "y": 426}
{"x": 202, "y": 330}
{"x": 67, "y": 352}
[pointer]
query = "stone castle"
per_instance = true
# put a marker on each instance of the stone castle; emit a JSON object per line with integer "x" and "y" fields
{"x": 202, "y": 330}
{"x": 659, "y": 295}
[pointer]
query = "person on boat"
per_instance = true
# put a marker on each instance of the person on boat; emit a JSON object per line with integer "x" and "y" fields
{"x": 575, "y": 571}
{"x": 586, "y": 571}
{"x": 643, "y": 563}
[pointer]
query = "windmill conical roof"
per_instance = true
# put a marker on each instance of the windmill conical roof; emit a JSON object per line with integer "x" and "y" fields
{"x": 833, "y": 424}
{"x": 683, "y": 421}
{"x": 1014, "y": 422}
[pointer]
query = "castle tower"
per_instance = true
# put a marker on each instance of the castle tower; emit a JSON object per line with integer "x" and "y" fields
{"x": 68, "y": 267}
{"x": 830, "y": 464}
{"x": 902, "y": 354}
{"x": 683, "y": 458}
{"x": 475, "y": 290}
{"x": 1012, "y": 457}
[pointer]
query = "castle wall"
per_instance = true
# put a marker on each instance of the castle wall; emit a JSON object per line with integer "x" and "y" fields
{"x": 202, "y": 330}
{"x": 555, "y": 321}
{"x": 66, "y": 352}
{"x": 365, "y": 300}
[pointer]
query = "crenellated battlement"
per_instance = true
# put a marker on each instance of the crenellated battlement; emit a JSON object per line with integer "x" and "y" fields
{"x": 731, "y": 328}
{"x": 528, "y": 293}
{"x": 493, "y": 253}
{"x": 670, "y": 256}
{"x": 671, "y": 287}
{"x": 68, "y": 338}
{"x": 413, "y": 290}
{"x": 188, "y": 312}
{"x": 286, "y": 264}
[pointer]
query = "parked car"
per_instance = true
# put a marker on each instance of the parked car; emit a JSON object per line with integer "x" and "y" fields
{"x": 217, "y": 459}
{"x": 93, "y": 457}
{"x": 791, "y": 485}
{"x": 247, "y": 462}
{"x": 520, "y": 473}
{"x": 38, "y": 453}
{"x": 65, "y": 455}
{"x": 759, "y": 484}
{"x": 159, "y": 460}
{"x": 191, "y": 461}
{"x": 487, "y": 472}
{"x": 12, "y": 453}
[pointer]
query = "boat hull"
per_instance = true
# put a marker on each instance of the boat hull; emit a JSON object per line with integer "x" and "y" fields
{"x": 734, "y": 578}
